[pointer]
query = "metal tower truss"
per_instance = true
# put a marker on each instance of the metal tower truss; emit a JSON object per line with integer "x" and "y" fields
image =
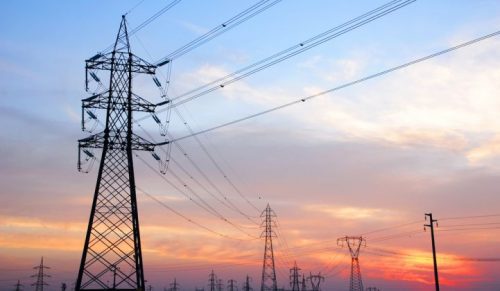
{"x": 268, "y": 268}
{"x": 112, "y": 257}
{"x": 354, "y": 243}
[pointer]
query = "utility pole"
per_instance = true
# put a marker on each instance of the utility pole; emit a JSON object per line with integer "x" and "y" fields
{"x": 316, "y": 281}
{"x": 246, "y": 285}
{"x": 231, "y": 285}
{"x": 354, "y": 243}
{"x": 212, "y": 281}
{"x": 18, "y": 286}
{"x": 431, "y": 225}
{"x": 268, "y": 282}
{"x": 40, "y": 276}
{"x": 112, "y": 249}
{"x": 294, "y": 278}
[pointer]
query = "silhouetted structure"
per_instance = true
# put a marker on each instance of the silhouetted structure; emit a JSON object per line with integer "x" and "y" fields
{"x": 246, "y": 285}
{"x": 372, "y": 289}
{"x": 40, "y": 276}
{"x": 354, "y": 244}
{"x": 231, "y": 285}
{"x": 174, "y": 286}
{"x": 112, "y": 250}
{"x": 431, "y": 225}
{"x": 212, "y": 281}
{"x": 19, "y": 286}
{"x": 294, "y": 278}
{"x": 63, "y": 287}
{"x": 268, "y": 269}
{"x": 316, "y": 281}
{"x": 303, "y": 285}
{"x": 220, "y": 285}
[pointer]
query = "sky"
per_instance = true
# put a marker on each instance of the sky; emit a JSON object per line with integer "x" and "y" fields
{"x": 367, "y": 160}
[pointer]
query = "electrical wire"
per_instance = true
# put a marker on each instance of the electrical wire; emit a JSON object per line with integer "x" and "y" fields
{"x": 218, "y": 30}
{"x": 349, "y": 84}
{"x": 292, "y": 51}
{"x": 164, "y": 205}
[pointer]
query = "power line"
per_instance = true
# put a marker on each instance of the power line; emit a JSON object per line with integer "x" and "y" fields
{"x": 349, "y": 84}
{"x": 218, "y": 30}
{"x": 147, "y": 21}
{"x": 292, "y": 51}
{"x": 164, "y": 205}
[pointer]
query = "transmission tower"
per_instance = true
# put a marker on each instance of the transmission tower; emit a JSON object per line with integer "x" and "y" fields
{"x": 220, "y": 285}
{"x": 246, "y": 285}
{"x": 268, "y": 270}
{"x": 354, "y": 243}
{"x": 40, "y": 276}
{"x": 174, "y": 286}
{"x": 112, "y": 250}
{"x": 212, "y": 281}
{"x": 316, "y": 281}
{"x": 231, "y": 285}
{"x": 19, "y": 286}
{"x": 294, "y": 278}
{"x": 372, "y": 289}
{"x": 63, "y": 287}
{"x": 304, "y": 285}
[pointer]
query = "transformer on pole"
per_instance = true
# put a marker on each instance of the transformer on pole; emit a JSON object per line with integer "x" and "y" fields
{"x": 354, "y": 243}
{"x": 268, "y": 269}
{"x": 112, "y": 256}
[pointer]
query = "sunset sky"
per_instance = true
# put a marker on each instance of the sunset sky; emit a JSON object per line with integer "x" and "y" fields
{"x": 367, "y": 160}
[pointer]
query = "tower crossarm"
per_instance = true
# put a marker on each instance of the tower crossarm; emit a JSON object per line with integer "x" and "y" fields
{"x": 107, "y": 62}
{"x": 101, "y": 101}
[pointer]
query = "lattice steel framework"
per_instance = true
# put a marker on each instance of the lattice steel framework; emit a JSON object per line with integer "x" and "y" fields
{"x": 112, "y": 258}
{"x": 268, "y": 269}
{"x": 354, "y": 243}
{"x": 40, "y": 276}
{"x": 294, "y": 278}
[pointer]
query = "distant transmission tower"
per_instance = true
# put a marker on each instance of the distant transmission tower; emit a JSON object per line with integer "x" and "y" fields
{"x": 220, "y": 285}
{"x": 316, "y": 281}
{"x": 19, "y": 286}
{"x": 231, "y": 285}
{"x": 40, "y": 276}
{"x": 303, "y": 285}
{"x": 354, "y": 243}
{"x": 212, "y": 281}
{"x": 372, "y": 289}
{"x": 294, "y": 278}
{"x": 174, "y": 286}
{"x": 268, "y": 269}
{"x": 246, "y": 285}
{"x": 112, "y": 257}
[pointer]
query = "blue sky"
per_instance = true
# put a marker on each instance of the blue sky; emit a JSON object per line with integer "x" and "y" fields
{"x": 377, "y": 154}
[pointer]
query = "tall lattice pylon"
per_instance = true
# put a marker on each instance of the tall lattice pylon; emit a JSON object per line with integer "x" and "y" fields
{"x": 40, "y": 276}
{"x": 354, "y": 243}
{"x": 112, "y": 257}
{"x": 268, "y": 269}
{"x": 294, "y": 278}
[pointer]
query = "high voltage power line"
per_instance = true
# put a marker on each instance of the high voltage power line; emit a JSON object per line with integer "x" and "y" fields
{"x": 290, "y": 52}
{"x": 349, "y": 84}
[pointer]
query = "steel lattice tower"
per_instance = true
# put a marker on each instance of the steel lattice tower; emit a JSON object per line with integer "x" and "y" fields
{"x": 112, "y": 257}
{"x": 268, "y": 269}
{"x": 354, "y": 244}
{"x": 294, "y": 278}
{"x": 246, "y": 285}
{"x": 40, "y": 276}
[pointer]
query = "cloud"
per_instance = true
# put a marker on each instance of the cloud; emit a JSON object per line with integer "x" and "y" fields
{"x": 352, "y": 213}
